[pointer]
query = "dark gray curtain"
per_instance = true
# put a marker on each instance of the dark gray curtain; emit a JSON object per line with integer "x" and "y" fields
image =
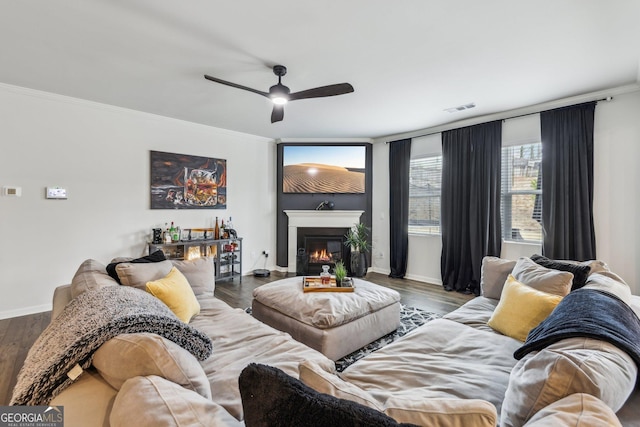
{"x": 470, "y": 213}
{"x": 567, "y": 182}
{"x": 399, "y": 163}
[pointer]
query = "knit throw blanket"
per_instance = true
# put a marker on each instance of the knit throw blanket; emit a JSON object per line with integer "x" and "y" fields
{"x": 87, "y": 322}
{"x": 588, "y": 313}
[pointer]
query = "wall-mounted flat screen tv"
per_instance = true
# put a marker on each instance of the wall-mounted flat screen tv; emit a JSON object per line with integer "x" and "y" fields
{"x": 323, "y": 169}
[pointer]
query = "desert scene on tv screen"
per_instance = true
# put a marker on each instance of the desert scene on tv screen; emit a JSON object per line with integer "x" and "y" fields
{"x": 323, "y": 170}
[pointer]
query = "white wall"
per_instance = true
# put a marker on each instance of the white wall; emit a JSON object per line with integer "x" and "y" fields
{"x": 616, "y": 198}
{"x": 100, "y": 154}
{"x": 616, "y": 193}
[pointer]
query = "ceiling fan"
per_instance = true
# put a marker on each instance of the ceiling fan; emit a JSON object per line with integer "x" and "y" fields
{"x": 279, "y": 94}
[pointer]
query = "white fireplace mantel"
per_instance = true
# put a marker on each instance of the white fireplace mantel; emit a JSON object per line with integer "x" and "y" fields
{"x": 318, "y": 219}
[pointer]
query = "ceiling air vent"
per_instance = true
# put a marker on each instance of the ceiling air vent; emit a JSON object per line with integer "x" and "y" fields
{"x": 460, "y": 107}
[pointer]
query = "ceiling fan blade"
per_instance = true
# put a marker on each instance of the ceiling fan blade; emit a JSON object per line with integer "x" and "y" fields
{"x": 319, "y": 92}
{"x": 277, "y": 114}
{"x": 224, "y": 82}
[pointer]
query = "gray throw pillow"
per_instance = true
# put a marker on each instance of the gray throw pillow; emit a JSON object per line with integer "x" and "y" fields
{"x": 137, "y": 275}
{"x": 493, "y": 275}
{"x": 199, "y": 273}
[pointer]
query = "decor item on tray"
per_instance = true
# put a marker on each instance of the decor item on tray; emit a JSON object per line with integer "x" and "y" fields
{"x": 357, "y": 238}
{"x": 341, "y": 273}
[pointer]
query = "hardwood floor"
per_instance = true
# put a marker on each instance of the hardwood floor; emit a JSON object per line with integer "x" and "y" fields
{"x": 18, "y": 334}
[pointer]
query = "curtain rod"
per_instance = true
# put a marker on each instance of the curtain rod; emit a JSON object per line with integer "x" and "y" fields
{"x": 608, "y": 98}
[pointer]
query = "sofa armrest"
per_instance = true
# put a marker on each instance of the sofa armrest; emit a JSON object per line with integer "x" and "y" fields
{"x": 61, "y": 297}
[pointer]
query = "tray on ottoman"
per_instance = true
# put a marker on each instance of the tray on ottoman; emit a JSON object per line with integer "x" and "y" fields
{"x": 314, "y": 284}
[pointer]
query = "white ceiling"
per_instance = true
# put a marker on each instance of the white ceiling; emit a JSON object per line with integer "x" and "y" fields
{"x": 407, "y": 60}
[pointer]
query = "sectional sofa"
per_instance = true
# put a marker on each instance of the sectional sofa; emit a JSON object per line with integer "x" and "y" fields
{"x": 454, "y": 371}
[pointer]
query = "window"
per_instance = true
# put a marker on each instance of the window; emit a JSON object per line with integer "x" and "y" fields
{"x": 522, "y": 193}
{"x": 425, "y": 179}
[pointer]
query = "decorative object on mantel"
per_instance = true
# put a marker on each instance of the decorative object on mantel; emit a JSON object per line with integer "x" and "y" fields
{"x": 180, "y": 181}
{"x": 357, "y": 238}
{"x": 326, "y": 204}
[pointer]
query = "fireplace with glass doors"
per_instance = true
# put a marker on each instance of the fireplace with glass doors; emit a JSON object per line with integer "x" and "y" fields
{"x": 318, "y": 247}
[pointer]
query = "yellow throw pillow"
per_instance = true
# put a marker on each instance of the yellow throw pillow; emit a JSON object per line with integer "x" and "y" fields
{"x": 174, "y": 290}
{"x": 521, "y": 308}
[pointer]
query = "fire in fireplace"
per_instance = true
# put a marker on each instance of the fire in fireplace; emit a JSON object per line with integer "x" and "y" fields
{"x": 323, "y": 250}
{"x": 318, "y": 247}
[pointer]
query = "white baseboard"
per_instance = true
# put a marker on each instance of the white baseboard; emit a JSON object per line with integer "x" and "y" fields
{"x": 417, "y": 278}
{"x": 24, "y": 311}
{"x": 431, "y": 280}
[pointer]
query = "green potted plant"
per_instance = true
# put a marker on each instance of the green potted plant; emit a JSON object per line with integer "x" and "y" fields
{"x": 358, "y": 239}
{"x": 341, "y": 273}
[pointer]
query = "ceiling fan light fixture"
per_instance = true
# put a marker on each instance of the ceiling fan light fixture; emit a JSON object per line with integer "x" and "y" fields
{"x": 279, "y": 100}
{"x": 279, "y": 94}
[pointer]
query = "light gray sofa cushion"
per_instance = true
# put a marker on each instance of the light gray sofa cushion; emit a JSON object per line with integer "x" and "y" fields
{"x": 90, "y": 275}
{"x": 576, "y": 410}
{"x": 441, "y": 359}
{"x": 573, "y": 365}
{"x": 446, "y": 412}
{"x": 155, "y": 401}
{"x": 141, "y": 354}
{"x": 239, "y": 339}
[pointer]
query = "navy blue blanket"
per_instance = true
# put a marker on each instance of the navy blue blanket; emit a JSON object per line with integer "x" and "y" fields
{"x": 588, "y": 313}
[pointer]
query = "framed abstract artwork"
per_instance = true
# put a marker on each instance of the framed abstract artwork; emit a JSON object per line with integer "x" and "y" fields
{"x": 181, "y": 181}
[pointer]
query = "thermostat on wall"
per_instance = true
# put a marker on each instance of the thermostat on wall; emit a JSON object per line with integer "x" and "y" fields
{"x": 56, "y": 193}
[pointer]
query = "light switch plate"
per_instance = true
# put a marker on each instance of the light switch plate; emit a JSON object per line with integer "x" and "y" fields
{"x": 56, "y": 193}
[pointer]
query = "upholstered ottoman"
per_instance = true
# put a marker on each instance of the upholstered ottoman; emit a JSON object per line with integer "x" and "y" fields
{"x": 334, "y": 323}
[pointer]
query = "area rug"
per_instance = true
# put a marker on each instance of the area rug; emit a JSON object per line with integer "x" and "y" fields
{"x": 410, "y": 318}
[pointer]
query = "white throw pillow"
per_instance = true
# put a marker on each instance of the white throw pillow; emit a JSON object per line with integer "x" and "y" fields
{"x": 541, "y": 278}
